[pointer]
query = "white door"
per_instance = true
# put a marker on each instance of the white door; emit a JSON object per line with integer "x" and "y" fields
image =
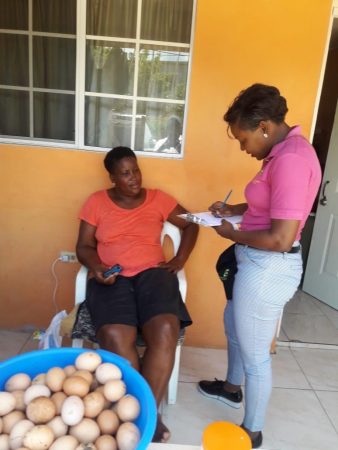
{"x": 321, "y": 276}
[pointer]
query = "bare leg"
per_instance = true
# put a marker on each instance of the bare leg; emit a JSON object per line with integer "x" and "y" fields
{"x": 120, "y": 339}
{"x": 160, "y": 334}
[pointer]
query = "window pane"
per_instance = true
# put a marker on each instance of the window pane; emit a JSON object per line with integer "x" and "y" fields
{"x": 166, "y": 20}
{"x": 163, "y": 72}
{"x": 107, "y": 122}
{"x": 14, "y": 60}
{"x": 54, "y": 16}
{"x": 54, "y": 62}
{"x": 14, "y": 112}
{"x": 110, "y": 67}
{"x": 54, "y": 116}
{"x": 115, "y": 18}
{"x": 14, "y": 14}
{"x": 162, "y": 129}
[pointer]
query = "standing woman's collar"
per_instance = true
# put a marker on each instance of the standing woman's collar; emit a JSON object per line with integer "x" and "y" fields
{"x": 294, "y": 131}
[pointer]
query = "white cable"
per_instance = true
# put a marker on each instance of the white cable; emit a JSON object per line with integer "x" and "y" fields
{"x": 56, "y": 286}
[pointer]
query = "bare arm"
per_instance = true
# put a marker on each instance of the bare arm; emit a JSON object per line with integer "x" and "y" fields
{"x": 86, "y": 251}
{"x": 188, "y": 239}
{"x": 278, "y": 238}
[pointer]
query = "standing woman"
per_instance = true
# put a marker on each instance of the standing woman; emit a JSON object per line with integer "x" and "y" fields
{"x": 268, "y": 252}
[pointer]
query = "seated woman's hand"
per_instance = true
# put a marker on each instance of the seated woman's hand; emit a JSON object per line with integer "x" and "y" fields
{"x": 98, "y": 272}
{"x": 174, "y": 265}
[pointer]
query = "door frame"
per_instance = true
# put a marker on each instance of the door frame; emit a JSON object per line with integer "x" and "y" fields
{"x": 334, "y": 15}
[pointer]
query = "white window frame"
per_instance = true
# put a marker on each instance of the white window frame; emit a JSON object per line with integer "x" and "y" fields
{"x": 80, "y": 92}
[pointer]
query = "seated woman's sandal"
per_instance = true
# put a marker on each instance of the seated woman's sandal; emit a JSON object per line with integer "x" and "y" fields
{"x": 162, "y": 434}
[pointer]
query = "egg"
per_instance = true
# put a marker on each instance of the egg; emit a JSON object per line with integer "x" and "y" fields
{"x": 107, "y": 371}
{"x": 4, "y": 442}
{"x": 41, "y": 410}
{"x": 65, "y": 443}
{"x": 88, "y": 361}
{"x": 106, "y": 442}
{"x": 39, "y": 379}
{"x": 93, "y": 403}
{"x": 114, "y": 390}
{"x": 88, "y": 376}
{"x": 7, "y": 403}
{"x": 40, "y": 437}
{"x": 19, "y": 400}
{"x": 58, "y": 398}
{"x": 108, "y": 421}
{"x": 58, "y": 426}
{"x": 55, "y": 378}
{"x": 9, "y": 420}
{"x": 72, "y": 410}
{"x": 85, "y": 431}
{"x": 18, "y": 382}
{"x": 69, "y": 370}
{"x": 107, "y": 403}
{"x": 75, "y": 385}
{"x": 89, "y": 446}
{"x": 34, "y": 391}
{"x": 127, "y": 436}
{"x": 128, "y": 408}
{"x": 1, "y": 425}
{"x": 18, "y": 432}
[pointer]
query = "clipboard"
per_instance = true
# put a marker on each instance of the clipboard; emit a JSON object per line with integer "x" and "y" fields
{"x": 206, "y": 219}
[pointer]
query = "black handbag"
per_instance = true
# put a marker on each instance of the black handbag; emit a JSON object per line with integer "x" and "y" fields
{"x": 226, "y": 268}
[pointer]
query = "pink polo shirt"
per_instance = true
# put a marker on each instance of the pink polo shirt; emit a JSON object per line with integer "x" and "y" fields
{"x": 286, "y": 186}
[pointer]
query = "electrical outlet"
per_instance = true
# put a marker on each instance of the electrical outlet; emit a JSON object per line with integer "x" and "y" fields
{"x": 69, "y": 257}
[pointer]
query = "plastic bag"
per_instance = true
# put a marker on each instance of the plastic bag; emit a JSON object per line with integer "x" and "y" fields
{"x": 51, "y": 337}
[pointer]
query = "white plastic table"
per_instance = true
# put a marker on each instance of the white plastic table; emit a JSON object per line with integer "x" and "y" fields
{"x": 175, "y": 447}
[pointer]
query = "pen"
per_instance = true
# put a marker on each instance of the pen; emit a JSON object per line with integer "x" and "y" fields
{"x": 226, "y": 198}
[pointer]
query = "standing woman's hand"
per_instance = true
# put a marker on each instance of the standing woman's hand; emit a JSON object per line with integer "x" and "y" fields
{"x": 219, "y": 209}
{"x": 225, "y": 229}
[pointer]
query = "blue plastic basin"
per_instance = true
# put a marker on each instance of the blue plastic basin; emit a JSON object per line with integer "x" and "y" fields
{"x": 33, "y": 363}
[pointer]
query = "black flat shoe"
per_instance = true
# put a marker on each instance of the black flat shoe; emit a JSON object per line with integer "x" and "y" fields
{"x": 257, "y": 441}
{"x": 215, "y": 389}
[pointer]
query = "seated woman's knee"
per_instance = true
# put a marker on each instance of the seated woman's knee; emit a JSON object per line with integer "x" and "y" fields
{"x": 117, "y": 335}
{"x": 162, "y": 331}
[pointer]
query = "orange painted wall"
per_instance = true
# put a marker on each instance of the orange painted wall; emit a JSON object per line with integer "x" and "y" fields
{"x": 236, "y": 44}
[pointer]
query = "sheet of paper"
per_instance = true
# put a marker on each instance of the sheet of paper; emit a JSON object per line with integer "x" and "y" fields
{"x": 206, "y": 219}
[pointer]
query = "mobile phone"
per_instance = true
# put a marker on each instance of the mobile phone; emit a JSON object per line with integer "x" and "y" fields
{"x": 115, "y": 269}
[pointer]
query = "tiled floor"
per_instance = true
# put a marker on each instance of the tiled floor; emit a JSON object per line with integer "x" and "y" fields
{"x": 306, "y": 319}
{"x": 303, "y": 413}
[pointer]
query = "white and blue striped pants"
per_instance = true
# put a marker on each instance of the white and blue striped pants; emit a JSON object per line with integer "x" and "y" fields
{"x": 265, "y": 281}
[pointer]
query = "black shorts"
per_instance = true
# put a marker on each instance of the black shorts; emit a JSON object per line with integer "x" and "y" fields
{"x": 134, "y": 300}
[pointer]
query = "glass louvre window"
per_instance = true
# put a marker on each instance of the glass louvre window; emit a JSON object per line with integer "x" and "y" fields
{"x": 95, "y": 73}
{"x": 38, "y": 80}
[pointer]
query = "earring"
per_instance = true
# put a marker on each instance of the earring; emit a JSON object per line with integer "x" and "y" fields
{"x": 265, "y": 134}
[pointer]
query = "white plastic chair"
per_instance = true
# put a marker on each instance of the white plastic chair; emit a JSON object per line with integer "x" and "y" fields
{"x": 174, "y": 234}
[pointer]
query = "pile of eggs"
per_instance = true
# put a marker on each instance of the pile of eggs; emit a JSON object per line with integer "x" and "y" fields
{"x": 79, "y": 407}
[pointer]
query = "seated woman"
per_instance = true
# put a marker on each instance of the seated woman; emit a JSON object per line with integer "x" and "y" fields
{"x": 122, "y": 225}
